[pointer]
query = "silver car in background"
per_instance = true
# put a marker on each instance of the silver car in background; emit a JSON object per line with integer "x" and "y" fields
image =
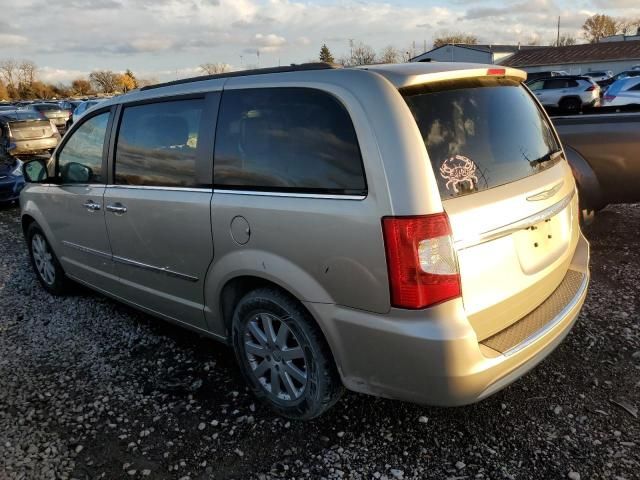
{"x": 339, "y": 227}
{"x": 53, "y": 112}
{"x": 622, "y": 93}
{"x": 568, "y": 93}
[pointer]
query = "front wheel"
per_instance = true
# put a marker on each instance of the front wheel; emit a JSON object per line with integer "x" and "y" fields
{"x": 44, "y": 262}
{"x": 283, "y": 355}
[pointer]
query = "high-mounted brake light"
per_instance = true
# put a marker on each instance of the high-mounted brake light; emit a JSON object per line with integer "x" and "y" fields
{"x": 423, "y": 269}
{"x": 497, "y": 72}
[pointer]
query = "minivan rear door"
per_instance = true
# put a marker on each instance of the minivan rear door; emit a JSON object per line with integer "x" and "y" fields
{"x": 507, "y": 190}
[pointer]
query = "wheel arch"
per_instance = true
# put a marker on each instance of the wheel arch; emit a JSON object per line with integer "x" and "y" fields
{"x": 589, "y": 188}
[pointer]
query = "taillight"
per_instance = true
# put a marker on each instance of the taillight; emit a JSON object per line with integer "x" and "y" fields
{"x": 591, "y": 88}
{"x": 422, "y": 265}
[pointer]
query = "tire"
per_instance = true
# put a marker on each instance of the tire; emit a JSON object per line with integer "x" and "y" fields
{"x": 44, "y": 262}
{"x": 291, "y": 370}
{"x": 570, "y": 105}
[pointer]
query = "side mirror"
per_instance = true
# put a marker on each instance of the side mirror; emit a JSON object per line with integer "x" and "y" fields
{"x": 35, "y": 171}
{"x": 74, "y": 172}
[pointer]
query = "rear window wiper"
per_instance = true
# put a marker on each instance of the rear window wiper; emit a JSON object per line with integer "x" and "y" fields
{"x": 551, "y": 156}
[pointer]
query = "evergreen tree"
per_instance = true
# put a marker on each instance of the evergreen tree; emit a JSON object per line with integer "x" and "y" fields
{"x": 325, "y": 54}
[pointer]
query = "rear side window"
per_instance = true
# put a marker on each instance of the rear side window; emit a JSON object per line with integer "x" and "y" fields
{"x": 157, "y": 144}
{"x": 482, "y": 136}
{"x": 553, "y": 84}
{"x": 289, "y": 140}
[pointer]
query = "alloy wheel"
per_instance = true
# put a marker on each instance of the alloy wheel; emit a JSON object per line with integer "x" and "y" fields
{"x": 276, "y": 356}
{"x": 43, "y": 259}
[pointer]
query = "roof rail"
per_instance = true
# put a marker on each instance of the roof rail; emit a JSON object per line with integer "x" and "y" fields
{"x": 243, "y": 73}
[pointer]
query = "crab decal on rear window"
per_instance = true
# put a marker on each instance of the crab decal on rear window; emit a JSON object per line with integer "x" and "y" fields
{"x": 458, "y": 170}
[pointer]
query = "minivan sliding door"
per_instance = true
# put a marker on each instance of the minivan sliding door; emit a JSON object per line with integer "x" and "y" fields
{"x": 158, "y": 205}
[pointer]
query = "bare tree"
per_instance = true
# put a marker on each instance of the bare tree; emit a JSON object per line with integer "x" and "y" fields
{"x": 459, "y": 37}
{"x": 80, "y": 86}
{"x": 564, "y": 40}
{"x": 9, "y": 72}
{"x": 105, "y": 80}
{"x": 361, "y": 54}
{"x": 214, "y": 68}
{"x": 145, "y": 82}
{"x": 27, "y": 72}
{"x": 629, "y": 26}
{"x": 598, "y": 26}
{"x": 389, "y": 54}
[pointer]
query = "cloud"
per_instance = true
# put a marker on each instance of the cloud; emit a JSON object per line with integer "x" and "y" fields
{"x": 269, "y": 42}
{"x": 8, "y": 40}
{"x": 160, "y": 36}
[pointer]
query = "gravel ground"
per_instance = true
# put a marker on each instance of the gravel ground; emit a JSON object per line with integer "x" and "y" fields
{"x": 92, "y": 389}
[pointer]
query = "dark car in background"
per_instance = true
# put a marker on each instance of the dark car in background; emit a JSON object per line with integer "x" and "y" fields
{"x": 53, "y": 112}
{"x": 81, "y": 109}
{"x": 26, "y": 132}
{"x": 619, "y": 76}
{"x": 11, "y": 179}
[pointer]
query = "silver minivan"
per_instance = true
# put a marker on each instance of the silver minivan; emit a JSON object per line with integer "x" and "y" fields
{"x": 407, "y": 231}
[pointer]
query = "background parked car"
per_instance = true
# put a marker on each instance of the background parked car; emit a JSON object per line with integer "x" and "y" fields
{"x": 602, "y": 149}
{"x": 53, "y": 112}
{"x": 623, "y": 92}
{"x": 568, "y": 93}
{"x": 600, "y": 76}
{"x": 25, "y": 132}
{"x": 549, "y": 73}
{"x": 81, "y": 109}
{"x": 11, "y": 179}
{"x": 620, "y": 76}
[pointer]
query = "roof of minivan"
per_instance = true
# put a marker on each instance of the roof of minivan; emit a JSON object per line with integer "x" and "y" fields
{"x": 400, "y": 75}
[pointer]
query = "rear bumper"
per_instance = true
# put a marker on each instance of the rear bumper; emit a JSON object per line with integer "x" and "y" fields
{"x": 434, "y": 357}
{"x": 26, "y": 147}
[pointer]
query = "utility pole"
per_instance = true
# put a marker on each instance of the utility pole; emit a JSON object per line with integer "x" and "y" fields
{"x": 351, "y": 49}
{"x": 558, "y": 36}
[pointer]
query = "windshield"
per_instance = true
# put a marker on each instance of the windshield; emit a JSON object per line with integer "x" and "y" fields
{"x": 480, "y": 134}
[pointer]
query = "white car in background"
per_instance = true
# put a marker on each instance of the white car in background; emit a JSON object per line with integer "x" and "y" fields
{"x": 599, "y": 76}
{"x": 622, "y": 92}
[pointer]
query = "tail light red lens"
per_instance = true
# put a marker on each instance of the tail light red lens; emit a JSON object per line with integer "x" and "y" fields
{"x": 496, "y": 72}
{"x": 422, "y": 264}
{"x": 591, "y": 88}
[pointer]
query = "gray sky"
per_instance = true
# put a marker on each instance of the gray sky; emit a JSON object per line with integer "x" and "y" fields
{"x": 169, "y": 38}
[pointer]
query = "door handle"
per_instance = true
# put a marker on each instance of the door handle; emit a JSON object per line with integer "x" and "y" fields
{"x": 117, "y": 208}
{"x": 91, "y": 206}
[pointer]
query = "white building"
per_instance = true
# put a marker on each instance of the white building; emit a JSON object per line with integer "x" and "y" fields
{"x": 578, "y": 59}
{"x": 459, "y": 52}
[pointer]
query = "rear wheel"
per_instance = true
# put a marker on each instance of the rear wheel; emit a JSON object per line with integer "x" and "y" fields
{"x": 44, "y": 262}
{"x": 570, "y": 105}
{"x": 283, "y": 355}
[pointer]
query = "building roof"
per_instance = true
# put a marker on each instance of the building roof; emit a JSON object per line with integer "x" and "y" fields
{"x": 590, "y": 52}
{"x": 487, "y": 48}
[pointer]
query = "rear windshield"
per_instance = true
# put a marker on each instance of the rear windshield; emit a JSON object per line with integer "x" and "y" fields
{"x": 22, "y": 115}
{"x": 481, "y": 134}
